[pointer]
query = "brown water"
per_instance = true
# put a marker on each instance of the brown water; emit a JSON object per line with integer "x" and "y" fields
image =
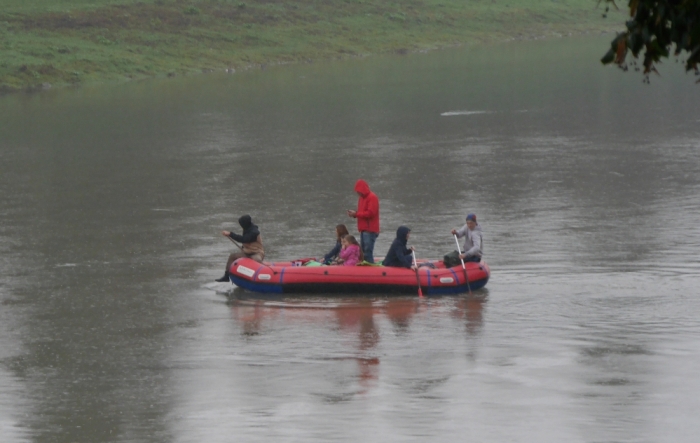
{"x": 586, "y": 183}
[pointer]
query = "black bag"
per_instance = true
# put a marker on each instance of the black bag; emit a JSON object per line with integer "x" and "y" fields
{"x": 451, "y": 259}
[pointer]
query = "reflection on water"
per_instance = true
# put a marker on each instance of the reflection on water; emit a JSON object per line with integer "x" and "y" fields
{"x": 586, "y": 183}
{"x": 400, "y": 311}
{"x": 356, "y": 322}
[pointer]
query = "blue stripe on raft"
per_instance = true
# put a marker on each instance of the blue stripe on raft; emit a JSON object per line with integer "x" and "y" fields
{"x": 450, "y": 290}
{"x": 257, "y": 287}
{"x": 455, "y": 275}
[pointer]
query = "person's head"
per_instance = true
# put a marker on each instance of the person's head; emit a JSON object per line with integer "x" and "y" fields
{"x": 361, "y": 187}
{"x": 351, "y": 240}
{"x": 341, "y": 231}
{"x": 471, "y": 221}
{"x": 245, "y": 221}
{"x": 403, "y": 233}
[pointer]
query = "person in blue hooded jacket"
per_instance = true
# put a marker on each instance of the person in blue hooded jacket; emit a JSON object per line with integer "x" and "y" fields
{"x": 399, "y": 255}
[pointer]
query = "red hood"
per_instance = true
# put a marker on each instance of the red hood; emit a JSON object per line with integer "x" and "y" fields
{"x": 362, "y": 187}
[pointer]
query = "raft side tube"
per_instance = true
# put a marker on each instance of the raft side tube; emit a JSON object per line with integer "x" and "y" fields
{"x": 262, "y": 277}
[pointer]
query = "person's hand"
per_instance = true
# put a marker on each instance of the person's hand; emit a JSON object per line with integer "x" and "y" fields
{"x": 462, "y": 256}
{"x": 225, "y": 233}
{"x": 352, "y": 213}
{"x": 413, "y": 268}
{"x": 454, "y": 232}
{"x": 412, "y": 249}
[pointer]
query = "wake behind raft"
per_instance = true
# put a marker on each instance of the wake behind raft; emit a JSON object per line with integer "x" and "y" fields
{"x": 293, "y": 277}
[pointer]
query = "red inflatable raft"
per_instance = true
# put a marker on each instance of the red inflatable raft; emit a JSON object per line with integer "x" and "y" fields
{"x": 293, "y": 277}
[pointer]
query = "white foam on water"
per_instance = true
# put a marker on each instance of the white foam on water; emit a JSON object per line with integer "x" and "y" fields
{"x": 453, "y": 113}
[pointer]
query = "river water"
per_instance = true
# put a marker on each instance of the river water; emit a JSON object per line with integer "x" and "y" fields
{"x": 585, "y": 181}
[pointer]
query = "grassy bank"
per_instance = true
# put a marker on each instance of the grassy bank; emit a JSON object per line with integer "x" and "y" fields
{"x": 61, "y": 42}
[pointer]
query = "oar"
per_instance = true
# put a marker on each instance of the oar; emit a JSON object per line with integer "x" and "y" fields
{"x": 234, "y": 242}
{"x": 464, "y": 268}
{"x": 420, "y": 291}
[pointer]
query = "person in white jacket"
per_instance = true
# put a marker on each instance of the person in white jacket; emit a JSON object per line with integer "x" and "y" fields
{"x": 473, "y": 243}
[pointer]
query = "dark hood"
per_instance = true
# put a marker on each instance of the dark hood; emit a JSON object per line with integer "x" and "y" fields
{"x": 402, "y": 234}
{"x": 245, "y": 222}
{"x": 362, "y": 187}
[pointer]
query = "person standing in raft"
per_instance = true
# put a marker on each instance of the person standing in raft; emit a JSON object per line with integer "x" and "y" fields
{"x": 367, "y": 216}
{"x": 251, "y": 244}
{"x": 473, "y": 242}
{"x": 340, "y": 232}
{"x": 400, "y": 256}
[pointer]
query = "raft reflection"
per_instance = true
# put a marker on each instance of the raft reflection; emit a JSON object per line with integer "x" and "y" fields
{"x": 357, "y": 321}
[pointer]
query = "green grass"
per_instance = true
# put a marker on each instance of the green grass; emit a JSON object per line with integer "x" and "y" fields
{"x": 77, "y": 41}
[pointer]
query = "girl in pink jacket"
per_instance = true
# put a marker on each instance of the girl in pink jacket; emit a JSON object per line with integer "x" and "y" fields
{"x": 351, "y": 254}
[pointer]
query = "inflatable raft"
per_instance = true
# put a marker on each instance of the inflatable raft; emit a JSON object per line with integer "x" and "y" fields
{"x": 294, "y": 277}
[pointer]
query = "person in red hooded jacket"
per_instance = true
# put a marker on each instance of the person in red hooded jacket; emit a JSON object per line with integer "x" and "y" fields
{"x": 367, "y": 216}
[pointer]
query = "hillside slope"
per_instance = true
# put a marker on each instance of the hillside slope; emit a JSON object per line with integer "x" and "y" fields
{"x": 60, "y": 42}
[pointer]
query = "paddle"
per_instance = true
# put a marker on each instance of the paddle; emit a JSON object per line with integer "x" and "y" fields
{"x": 234, "y": 242}
{"x": 420, "y": 291}
{"x": 464, "y": 268}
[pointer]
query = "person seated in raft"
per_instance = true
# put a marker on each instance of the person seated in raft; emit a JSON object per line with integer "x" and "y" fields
{"x": 351, "y": 254}
{"x": 251, "y": 244}
{"x": 473, "y": 242}
{"x": 399, "y": 256}
{"x": 340, "y": 232}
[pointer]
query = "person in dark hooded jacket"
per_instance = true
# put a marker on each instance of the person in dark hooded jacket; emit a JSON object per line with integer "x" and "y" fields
{"x": 251, "y": 244}
{"x": 400, "y": 256}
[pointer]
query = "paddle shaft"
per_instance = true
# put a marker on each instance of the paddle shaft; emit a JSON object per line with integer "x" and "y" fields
{"x": 464, "y": 268}
{"x": 234, "y": 242}
{"x": 420, "y": 291}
